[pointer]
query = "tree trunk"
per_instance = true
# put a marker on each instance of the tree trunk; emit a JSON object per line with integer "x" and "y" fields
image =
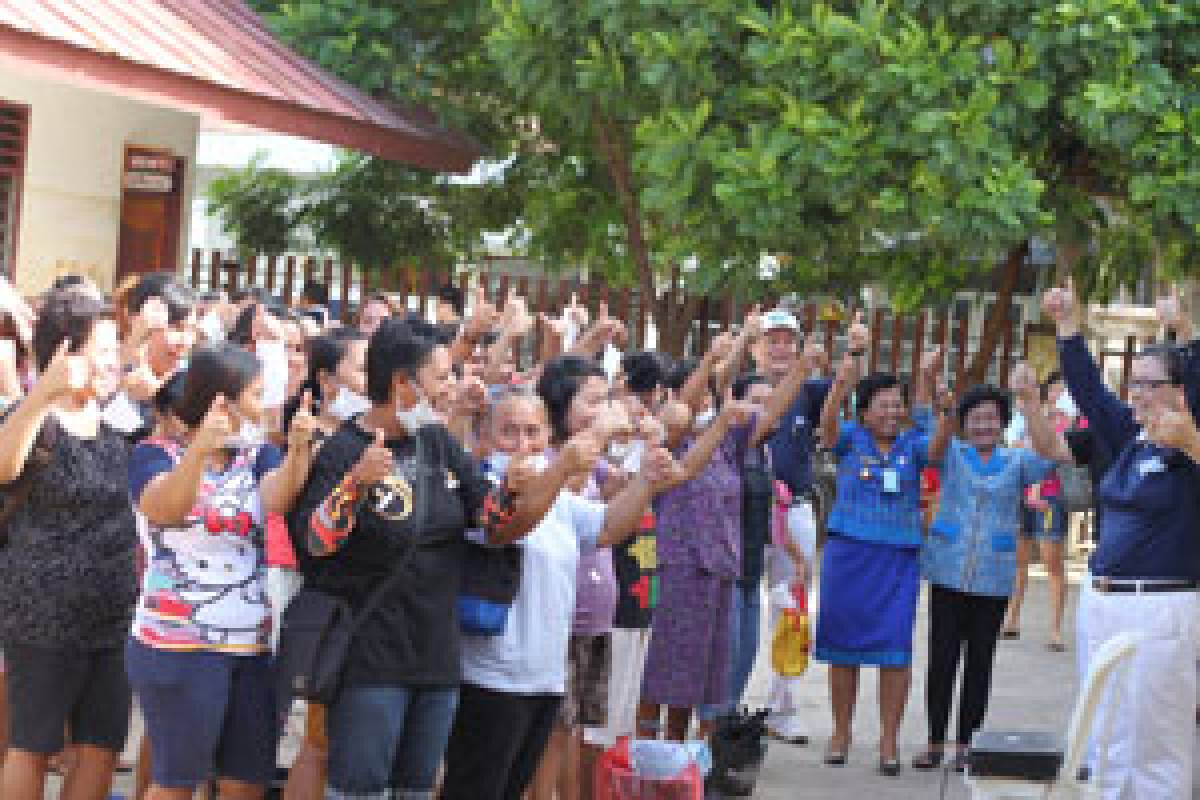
{"x": 673, "y": 309}
{"x": 996, "y": 323}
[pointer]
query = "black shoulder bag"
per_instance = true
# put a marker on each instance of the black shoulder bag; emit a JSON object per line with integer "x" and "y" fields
{"x": 318, "y": 628}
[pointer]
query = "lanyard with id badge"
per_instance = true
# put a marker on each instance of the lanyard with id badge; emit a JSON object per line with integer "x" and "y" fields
{"x": 889, "y": 476}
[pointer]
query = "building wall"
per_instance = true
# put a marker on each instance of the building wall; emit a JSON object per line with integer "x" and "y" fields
{"x": 71, "y": 206}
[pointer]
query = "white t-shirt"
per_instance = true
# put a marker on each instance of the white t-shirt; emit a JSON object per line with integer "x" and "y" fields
{"x": 530, "y": 657}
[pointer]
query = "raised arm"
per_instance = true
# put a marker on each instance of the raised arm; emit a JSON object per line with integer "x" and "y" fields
{"x": 170, "y": 497}
{"x": 701, "y": 452}
{"x": 947, "y": 422}
{"x": 18, "y": 433}
{"x": 831, "y": 411}
{"x": 516, "y": 508}
{"x": 281, "y": 486}
{"x": 727, "y": 369}
{"x": 781, "y": 399}
{"x": 1046, "y": 442}
{"x": 1111, "y": 419}
{"x": 660, "y": 472}
{"x": 694, "y": 390}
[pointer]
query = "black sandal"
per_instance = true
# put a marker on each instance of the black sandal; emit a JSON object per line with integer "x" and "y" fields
{"x": 1010, "y": 633}
{"x": 835, "y": 758}
{"x": 889, "y": 768}
{"x": 929, "y": 760}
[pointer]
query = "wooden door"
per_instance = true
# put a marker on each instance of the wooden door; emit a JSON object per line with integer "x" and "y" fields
{"x": 151, "y": 206}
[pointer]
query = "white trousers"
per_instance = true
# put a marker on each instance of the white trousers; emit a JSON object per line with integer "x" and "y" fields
{"x": 629, "y": 648}
{"x": 1153, "y": 703}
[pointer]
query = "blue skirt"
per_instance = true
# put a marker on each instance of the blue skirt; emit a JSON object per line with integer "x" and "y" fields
{"x": 868, "y": 603}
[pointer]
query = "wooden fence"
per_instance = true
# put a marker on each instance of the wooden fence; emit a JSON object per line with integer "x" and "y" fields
{"x": 897, "y": 340}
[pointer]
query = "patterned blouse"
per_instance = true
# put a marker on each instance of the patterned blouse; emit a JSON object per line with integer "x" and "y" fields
{"x": 879, "y": 495}
{"x": 67, "y": 576}
{"x": 205, "y": 582}
{"x": 972, "y": 542}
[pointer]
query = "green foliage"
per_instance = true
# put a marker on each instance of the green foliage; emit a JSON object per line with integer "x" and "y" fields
{"x": 371, "y": 212}
{"x": 911, "y": 142}
{"x": 259, "y": 208}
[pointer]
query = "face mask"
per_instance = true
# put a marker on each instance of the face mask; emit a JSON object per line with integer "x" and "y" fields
{"x": 212, "y": 328}
{"x": 705, "y": 418}
{"x": 417, "y": 417}
{"x": 497, "y": 464}
{"x": 1066, "y": 405}
{"x": 248, "y": 436}
{"x": 627, "y": 455}
{"x": 348, "y": 404}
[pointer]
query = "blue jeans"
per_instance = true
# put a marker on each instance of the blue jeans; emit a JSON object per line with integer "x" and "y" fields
{"x": 388, "y": 741}
{"x": 744, "y": 632}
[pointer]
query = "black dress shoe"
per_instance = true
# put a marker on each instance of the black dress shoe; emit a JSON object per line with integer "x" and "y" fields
{"x": 889, "y": 768}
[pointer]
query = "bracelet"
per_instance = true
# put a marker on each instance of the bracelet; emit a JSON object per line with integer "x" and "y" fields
{"x": 858, "y": 353}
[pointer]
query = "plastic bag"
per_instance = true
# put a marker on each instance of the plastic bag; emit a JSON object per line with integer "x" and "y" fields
{"x": 616, "y": 779}
{"x": 790, "y": 642}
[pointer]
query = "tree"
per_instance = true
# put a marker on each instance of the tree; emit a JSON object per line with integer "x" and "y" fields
{"x": 923, "y": 141}
{"x": 569, "y": 191}
{"x": 259, "y": 208}
{"x": 913, "y": 143}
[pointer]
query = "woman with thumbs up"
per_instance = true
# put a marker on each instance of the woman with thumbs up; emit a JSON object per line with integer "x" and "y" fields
{"x": 67, "y": 581}
{"x": 199, "y": 657}
{"x": 383, "y": 519}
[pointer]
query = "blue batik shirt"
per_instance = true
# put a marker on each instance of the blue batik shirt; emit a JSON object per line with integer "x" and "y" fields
{"x": 973, "y": 541}
{"x": 879, "y": 496}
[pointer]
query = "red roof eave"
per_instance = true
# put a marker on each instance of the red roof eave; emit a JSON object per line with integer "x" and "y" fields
{"x": 417, "y": 143}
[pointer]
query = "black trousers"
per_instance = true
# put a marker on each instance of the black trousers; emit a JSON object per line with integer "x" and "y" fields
{"x": 496, "y": 743}
{"x": 959, "y": 621}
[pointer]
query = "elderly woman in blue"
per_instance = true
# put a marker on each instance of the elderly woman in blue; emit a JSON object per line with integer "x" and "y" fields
{"x": 869, "y": 569}
{"x": 969, "y": 559}
{"x": 1145, "y": 571}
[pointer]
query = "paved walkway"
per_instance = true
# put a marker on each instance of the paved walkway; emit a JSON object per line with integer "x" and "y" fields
{"x": 1033, "y": 689}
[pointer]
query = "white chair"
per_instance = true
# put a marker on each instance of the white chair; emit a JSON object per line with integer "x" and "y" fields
{"x": 1110, "y": 661}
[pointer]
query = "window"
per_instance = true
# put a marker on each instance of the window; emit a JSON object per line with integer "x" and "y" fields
{"x": 14, "y": 128}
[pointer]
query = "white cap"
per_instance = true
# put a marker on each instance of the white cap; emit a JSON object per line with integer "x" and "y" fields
{"x": 777, "y": 319}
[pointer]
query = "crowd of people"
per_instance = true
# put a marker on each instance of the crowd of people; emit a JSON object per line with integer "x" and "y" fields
{"x": 545, "y": 543}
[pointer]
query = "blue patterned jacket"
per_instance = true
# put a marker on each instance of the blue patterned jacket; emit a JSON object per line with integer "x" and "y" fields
{"x": 972, "y": 544}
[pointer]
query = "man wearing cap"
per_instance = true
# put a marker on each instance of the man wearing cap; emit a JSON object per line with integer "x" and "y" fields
{"x": 791, "y": 450}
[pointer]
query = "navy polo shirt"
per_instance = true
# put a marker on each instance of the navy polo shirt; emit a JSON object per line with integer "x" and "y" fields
{"x": 794, "y": 441}
{"x": 1149, "y": 525}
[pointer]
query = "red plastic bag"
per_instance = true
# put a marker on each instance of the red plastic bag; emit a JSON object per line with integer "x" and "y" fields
{"x": 615, "y": 779}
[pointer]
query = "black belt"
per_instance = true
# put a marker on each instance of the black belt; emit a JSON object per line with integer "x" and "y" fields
{"x": 1125, "y": 586}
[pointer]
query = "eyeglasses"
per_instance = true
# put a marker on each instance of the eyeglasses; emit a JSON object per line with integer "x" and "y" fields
{"x": 1150, "y": 383}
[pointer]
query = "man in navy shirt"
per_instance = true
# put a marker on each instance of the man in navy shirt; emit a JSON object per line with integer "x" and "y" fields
{"x": 791, "y": 450}
{"x": 1145, "y": 572}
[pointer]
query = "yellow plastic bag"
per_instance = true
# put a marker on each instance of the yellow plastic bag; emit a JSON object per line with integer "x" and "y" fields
{"x": 789, "y": 644}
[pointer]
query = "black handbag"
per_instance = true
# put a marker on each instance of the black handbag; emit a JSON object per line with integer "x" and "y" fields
{"x": 315, "y": 636}
{"x": 317, "y": 628}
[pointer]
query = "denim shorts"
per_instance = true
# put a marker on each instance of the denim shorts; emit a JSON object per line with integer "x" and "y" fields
{"x": 388, "y": 741}
{"x": 1046, "y": 526}
{"x": 207, "y": 714}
